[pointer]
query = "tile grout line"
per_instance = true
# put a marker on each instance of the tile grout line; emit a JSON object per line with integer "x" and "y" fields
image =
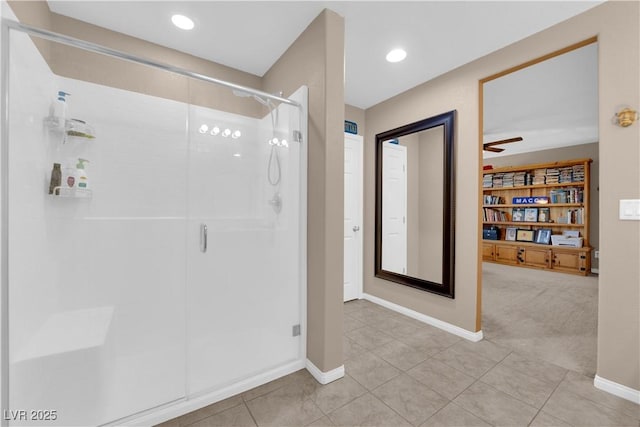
{"x": 250, "y": 413}
{"x": 547, "y": 400}
{"x": 474, "y": 382}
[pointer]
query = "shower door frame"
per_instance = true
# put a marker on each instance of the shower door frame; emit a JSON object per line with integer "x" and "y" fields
{"x": 169, "y": 409}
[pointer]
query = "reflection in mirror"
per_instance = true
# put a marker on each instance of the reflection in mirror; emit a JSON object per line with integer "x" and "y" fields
{"x": 414, "y": 215}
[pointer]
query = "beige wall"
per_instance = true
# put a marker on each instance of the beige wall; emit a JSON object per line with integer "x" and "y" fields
{"x": 316, "y": 59}
{"x": 583, "y": 151}
{"x": 438, "y": 96}
{"x": 616, "y": 25}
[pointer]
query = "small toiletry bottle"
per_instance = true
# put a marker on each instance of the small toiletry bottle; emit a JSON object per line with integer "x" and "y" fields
{"x": 69, "y": 177}
{"x": 56, "y": 178}
{"x": 81, "y": 174}
{"x": 60, "y": 109}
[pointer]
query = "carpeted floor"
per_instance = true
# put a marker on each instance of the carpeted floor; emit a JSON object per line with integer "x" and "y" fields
{"x": 547, "y": 315}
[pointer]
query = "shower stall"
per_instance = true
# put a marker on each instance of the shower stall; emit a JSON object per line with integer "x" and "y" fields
{"x": 175, "y": 276}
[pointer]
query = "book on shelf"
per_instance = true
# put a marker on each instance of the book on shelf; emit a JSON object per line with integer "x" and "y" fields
{"x": 487, "y": 180}
{"x": 578, "y": 173}
{"x": 493, "y": 200}
{"x": 552, "y": 176}
{"x": 566, "y": 175}
{"x": 507, "y": 179}
{"x": 539, "y": 176}
{"x": 497, "y": 180}
{"x": 566, "y": 195}
{"x": 572, "y": 216}
{"x": 494, "y": 215}
{"x": 520, "y": 179}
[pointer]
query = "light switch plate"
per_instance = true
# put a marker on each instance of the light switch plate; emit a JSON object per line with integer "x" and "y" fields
{"x": 630, "y": 209}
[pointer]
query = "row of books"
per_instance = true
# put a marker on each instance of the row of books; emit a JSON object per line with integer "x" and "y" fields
{"x": 493, "y": 200}
{"x": 494, "y": 215}
{"x": 562, "y": 175}
{"x": 566, "y": 195}
{"x": 573, "y": 216}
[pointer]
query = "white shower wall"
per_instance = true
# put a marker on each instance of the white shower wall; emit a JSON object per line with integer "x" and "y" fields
{"x": 114, "y": 309}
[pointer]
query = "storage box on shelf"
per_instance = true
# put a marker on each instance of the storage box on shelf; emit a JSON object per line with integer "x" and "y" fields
{"x": 539, "y": 196}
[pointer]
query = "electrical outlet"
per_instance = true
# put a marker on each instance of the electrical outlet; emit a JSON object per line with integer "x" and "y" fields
{"x": 597, "y": 254}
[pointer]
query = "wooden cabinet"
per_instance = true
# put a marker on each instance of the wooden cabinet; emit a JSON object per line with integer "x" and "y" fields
{"x": 545, "y": 196}
{"x": 565, "y": 260}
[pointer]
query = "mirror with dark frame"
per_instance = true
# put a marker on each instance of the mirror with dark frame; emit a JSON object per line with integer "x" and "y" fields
{"x": 415, "y": 205}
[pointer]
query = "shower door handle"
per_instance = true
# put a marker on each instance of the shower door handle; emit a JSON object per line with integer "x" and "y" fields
{"x": 203, "y": 238}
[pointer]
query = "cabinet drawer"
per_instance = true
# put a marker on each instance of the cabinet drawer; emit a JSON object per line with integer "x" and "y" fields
{"x": 535, "y": 257}
{"x": 506, "y": 254}
{"x": 488, "y": 251}
{"x": 574, "y": 262}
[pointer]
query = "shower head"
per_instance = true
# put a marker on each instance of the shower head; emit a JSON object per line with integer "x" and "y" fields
{"x": 244, "y": 94}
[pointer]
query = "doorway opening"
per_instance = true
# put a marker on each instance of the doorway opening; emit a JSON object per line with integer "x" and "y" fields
{"x": 539, "y": 189}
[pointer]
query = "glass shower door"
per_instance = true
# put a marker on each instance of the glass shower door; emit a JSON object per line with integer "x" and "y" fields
{"x": 244, "y": 288}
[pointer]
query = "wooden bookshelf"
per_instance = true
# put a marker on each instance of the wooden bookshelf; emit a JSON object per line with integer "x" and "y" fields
{"x": 563, "y": 189}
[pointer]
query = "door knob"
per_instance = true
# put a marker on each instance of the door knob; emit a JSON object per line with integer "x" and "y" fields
{"x": 356, "y": 228}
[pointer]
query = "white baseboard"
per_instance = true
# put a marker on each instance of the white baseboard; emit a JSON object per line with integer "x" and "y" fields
{"x": 448, "y": 327}
{"x": 617, "y": 389}
{"x": 595, "y": 270}
{"x": 325, "y": 377}
{"x": 184, "y": 406}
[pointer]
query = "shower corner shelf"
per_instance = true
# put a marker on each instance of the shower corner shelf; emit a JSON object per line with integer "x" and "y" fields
{"x": 72, "y": 127}
{"x": 72, "y": 193}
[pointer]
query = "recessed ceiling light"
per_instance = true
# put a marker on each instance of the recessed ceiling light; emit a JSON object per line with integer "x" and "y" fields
{"x": 182, "y": 22}
{"x": 396, "y": 55}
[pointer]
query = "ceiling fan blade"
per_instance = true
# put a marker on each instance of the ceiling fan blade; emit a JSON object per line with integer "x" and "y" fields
{"x": 493, "y": 149}
{"x": 502, "y": 141}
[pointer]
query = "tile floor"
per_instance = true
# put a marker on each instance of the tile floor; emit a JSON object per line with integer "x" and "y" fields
{"x": 401, "y": 372}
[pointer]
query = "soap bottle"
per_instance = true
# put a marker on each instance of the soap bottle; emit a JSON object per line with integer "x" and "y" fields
{"x": 56, "y": 178}
{"x": 69, "y": 177}
{"x": 60, "y": 109}
{"x": 81, "y": 174}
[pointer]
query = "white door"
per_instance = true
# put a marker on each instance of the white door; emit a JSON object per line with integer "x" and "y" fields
{"x": 352, "y": 216}
{"x": 394, "y": 208}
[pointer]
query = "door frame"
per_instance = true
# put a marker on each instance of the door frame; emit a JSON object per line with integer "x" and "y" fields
{"x": 359, "y": 184}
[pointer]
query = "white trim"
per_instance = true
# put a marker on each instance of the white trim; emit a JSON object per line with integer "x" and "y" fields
{"x": 448, "y": 327}
{"x": 325, "y": 377}
{"x": 184, "y": 406}
{"x": 616, "y": 389}
{"x": 595, "y": 270}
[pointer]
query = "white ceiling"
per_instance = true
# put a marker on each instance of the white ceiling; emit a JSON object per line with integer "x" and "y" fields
{"x": 551, "y": 104}
{"x": 251, "y": 35}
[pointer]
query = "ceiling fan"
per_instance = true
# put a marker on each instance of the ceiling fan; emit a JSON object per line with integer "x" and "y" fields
{"x": 490, "y": 146}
